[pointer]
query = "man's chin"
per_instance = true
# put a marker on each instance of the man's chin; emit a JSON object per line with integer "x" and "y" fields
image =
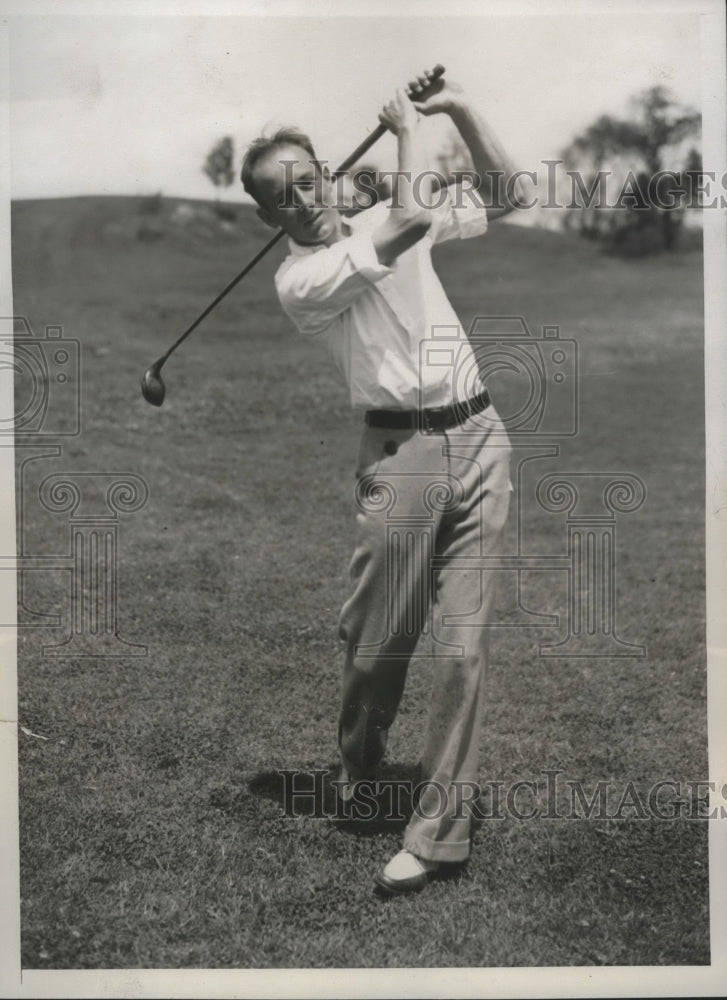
{"x": 319, "y": 234}
{"x": 313, "y": 239}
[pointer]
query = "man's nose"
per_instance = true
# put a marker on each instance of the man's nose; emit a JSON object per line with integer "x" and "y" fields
{"x": 304, "y": 200}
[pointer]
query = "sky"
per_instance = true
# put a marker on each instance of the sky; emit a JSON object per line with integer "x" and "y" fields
{"x": 119, "y": 103}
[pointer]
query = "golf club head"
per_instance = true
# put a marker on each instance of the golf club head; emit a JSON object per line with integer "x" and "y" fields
{"x": 152, "y": 385}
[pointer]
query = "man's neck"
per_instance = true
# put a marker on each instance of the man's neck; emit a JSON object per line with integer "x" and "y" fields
{"x": 338, "y": 233}
{"x": 342, "y": 230}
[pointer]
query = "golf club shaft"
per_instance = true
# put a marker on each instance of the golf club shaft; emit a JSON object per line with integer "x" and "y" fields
{"x": 362, "y": 148}
{"x": 226, "y": 290}
{"x": 368, "y": 142}
{"x": 365, "y": 146}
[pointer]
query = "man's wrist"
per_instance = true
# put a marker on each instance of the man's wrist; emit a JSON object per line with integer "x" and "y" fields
{"x": 408, "y": 128}
{"x": 458, "y": 107}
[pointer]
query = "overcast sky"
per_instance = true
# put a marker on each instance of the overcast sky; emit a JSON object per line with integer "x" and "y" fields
{"x": 117, "y": 104}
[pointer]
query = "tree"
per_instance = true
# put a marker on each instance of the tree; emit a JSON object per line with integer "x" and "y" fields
{"x": 635, "y": 153}
{"x": 452, "y": 157}
{"x": 219, "y": 163}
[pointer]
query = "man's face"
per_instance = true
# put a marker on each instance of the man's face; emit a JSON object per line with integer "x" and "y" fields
{"x": 294, "y": 194}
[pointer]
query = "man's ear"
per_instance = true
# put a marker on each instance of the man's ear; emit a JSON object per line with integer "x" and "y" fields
{"x": 266, "y": 218}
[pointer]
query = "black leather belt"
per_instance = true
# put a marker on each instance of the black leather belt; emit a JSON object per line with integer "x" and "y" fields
{"x": 437, "y": 419}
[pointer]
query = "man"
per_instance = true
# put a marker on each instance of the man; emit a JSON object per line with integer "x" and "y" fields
{"x": 433, "y": 484}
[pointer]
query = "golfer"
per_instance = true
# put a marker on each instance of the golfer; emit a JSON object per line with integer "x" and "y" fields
{"x": 433, "y": 480}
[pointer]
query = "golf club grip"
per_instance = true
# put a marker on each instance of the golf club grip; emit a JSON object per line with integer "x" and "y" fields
{"x": 380, "y": 130}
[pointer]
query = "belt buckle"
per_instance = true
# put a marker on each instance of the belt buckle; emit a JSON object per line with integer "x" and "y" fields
{"x": 428, "y": 427}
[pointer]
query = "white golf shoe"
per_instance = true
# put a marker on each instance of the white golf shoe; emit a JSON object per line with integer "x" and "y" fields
{"x": 405, "y": 873}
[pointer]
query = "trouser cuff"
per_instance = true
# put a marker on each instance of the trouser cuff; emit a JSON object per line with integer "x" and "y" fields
{"x": 436, "y": 850}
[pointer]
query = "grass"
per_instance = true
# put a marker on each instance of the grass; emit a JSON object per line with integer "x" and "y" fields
{"x": 152, "y": 832}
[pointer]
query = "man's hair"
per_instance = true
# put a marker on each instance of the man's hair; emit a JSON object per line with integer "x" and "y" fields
{"x": 260, "y": 147}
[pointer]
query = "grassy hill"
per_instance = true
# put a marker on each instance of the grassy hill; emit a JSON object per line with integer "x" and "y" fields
{"x": 151, "y": 826}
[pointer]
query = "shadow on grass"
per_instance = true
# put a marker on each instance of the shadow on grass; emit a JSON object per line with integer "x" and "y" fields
{"x": 313, "y": 793}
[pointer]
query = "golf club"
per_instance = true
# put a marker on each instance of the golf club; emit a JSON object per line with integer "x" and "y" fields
{"x": 152, "y": 384}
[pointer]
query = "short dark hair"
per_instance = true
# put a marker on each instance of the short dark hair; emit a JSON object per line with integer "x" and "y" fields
{"x": 289, "y": 135}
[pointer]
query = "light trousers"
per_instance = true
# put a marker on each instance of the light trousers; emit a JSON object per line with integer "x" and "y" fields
{"x": 428, "y": 507}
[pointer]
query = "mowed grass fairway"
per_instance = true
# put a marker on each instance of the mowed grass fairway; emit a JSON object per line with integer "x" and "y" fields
{"x": 152, "y": 828}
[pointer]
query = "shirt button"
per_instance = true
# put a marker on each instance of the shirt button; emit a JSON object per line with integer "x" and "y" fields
{"x": 391, "y": 447}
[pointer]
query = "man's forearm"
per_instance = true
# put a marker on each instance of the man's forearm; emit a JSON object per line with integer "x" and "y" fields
{"x": 415, "y": 178}
{"x": 408, "y": 219}
{"x": 498, "y": 182}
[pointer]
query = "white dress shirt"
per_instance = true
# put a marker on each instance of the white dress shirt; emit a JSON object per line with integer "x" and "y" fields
{"x": 391, "y": 331}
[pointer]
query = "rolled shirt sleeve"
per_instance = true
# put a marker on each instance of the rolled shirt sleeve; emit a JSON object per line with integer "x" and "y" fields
{"x": 461, "y": 216}
{"x": 316, "y": 288}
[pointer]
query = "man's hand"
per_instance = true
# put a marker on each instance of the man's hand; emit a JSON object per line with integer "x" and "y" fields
{"x": 446, "y": 98}
{"x": 398, "y": 113}
{"x": 498, "y": 180}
